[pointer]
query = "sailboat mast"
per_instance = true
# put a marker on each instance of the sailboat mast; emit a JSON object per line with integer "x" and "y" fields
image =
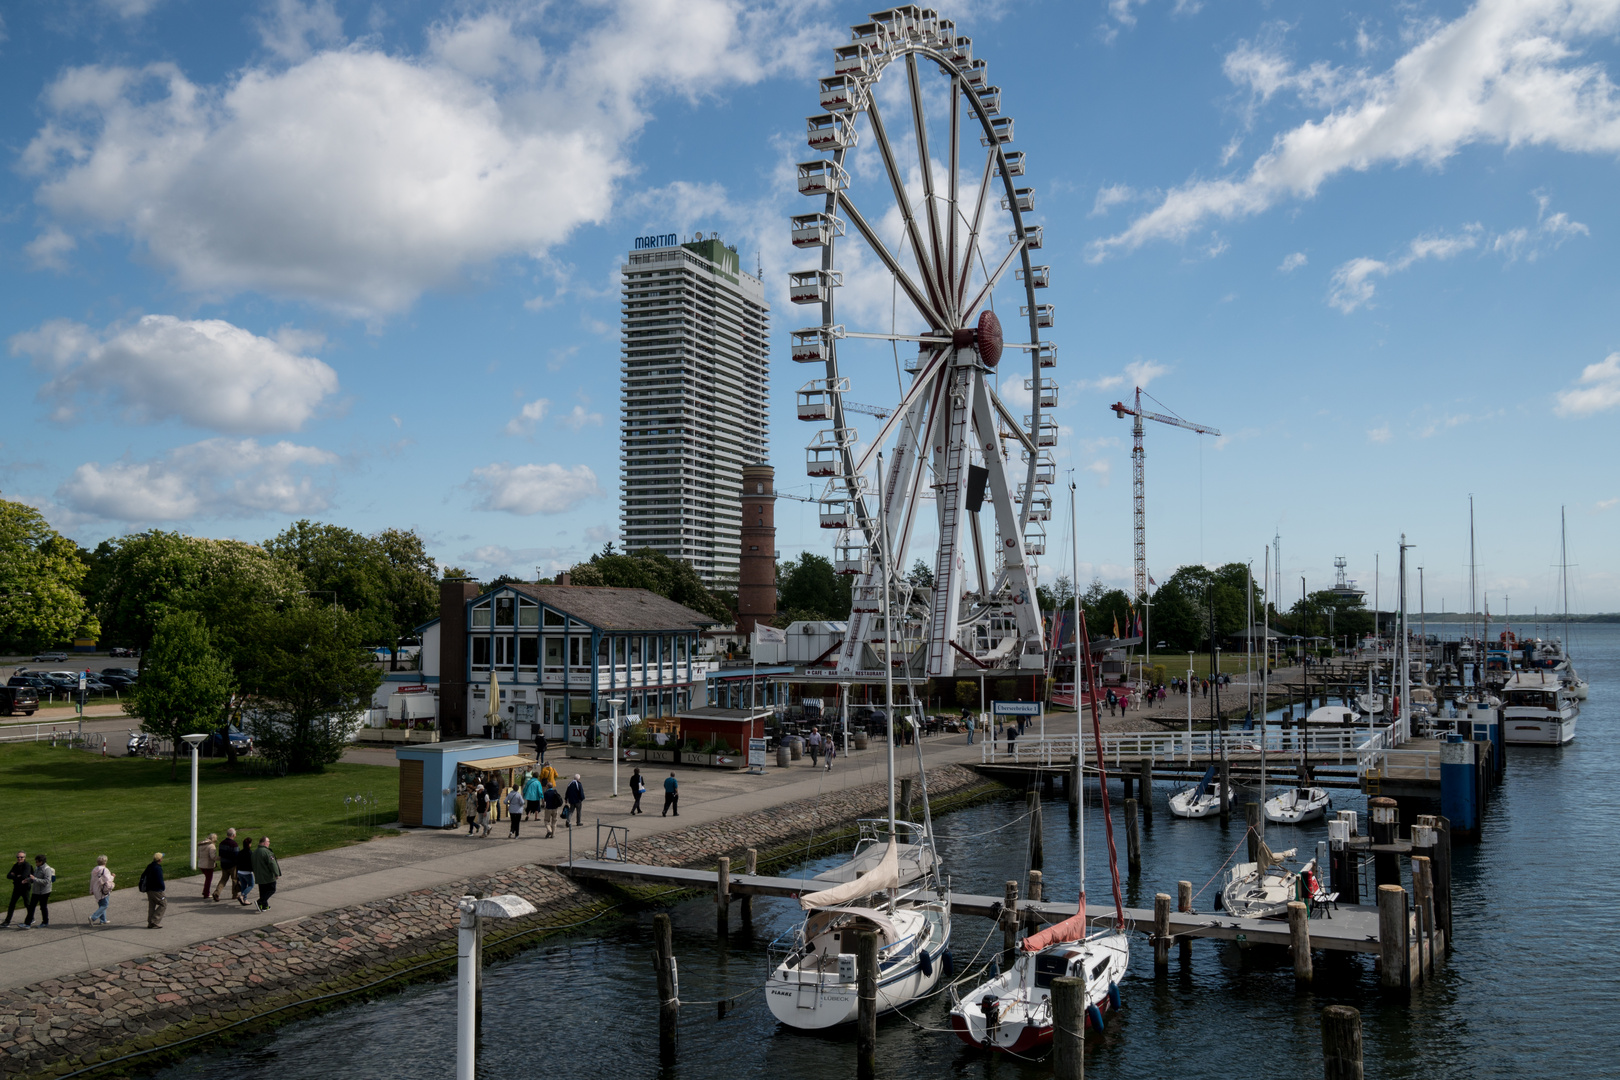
{"x": 888, "y": 637}
{"x": 1079, "y": 716}
{"x": 1265, "y": 686}
{"x": 1401, "y": 651}
{"x": 1473, "y": 596}
{"x": 1563, "y": 573}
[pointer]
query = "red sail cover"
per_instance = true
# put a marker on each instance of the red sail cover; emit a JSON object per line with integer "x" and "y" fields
{"x": 1071, "y": 929}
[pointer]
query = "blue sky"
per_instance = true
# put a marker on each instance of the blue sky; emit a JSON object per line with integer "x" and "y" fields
{"x": 359, "y": 263}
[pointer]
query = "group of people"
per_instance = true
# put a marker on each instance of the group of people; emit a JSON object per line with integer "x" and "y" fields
{"x": 533, "y": 797}
{"x": 820, "y": 747}
{"x": 245, "y": 866}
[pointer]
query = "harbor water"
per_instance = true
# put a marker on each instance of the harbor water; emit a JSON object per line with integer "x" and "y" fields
{"x": 1527, "y": 992}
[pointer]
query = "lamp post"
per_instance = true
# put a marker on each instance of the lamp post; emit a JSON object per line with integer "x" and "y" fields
{"x": 469, "y": 961}
{"x": 614, "y": 704}
{"x": 194, "y": 741}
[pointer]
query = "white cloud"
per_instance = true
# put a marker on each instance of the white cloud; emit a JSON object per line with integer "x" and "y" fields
{"x": 1597, "y": 390}
{"x": 1606, "y": 504}
{"x": 534, "y": 489}
{"x": 50, "y": 248}
{"x": 358, "y": 178}
{"x": 600, "y": 534}
{"x": 291, "y": 29}
{"x": 1292, "y": 262}
{"x": 130, "y": 9}
{"x": 1379, "y": 434}
{"x": 528, "y": 417}
{"x": 1352, "y": 285}
{"x": 1136, "y": 373}
{"x": 213, "y": 478}
{"x": 1506, "y": 72}
{"x": 205, "y": 372}
{"x": 578, "y": 418}
{"x": 1527, "y": 243}
{"x": 1111, "y": 196}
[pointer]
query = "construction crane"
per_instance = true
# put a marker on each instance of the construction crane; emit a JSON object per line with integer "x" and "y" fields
{"x": 1139, "y": 492}
{"x": 869, "y": 410}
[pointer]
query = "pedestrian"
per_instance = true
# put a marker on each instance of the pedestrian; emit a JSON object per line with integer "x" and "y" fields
{"x": 40, "y": 896}
{"x": 575, "y": 798}
{"x": 540, "y": 748}
{"x": 101, "y": 890}
{"x": 481, "y": 804}
{"x": 832, "y": 752}
{"x": 266, "y": 870}
{"x": 21, "y": 876}
{"x": 672, "y": 796}
{"x": 967, "y": 722}
{"x": 531, "y": 796}
{"x": 207, "y": 861}
{"x": 227, "y": 865}
{"x": 548, "y": 776}
{"x": 814, "y": 742}
{"x": 151, "y": 884}
{"x": 637, "y": 787}
{"x": 515, "y": 805}
{"x": 552, "y": 801}
{"x": 1012, "y": 737}
{"x": 472, "y": 809}
{"x": 244, "y": 870}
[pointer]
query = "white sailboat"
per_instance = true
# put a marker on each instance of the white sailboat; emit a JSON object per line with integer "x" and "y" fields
{"x": 813, "y": 982}
{"x": 1260, "y": 890}
{"x": 1012, "y": 1011}
{"x": 1202, "y": 799}
{"x": 1297, "y": 805}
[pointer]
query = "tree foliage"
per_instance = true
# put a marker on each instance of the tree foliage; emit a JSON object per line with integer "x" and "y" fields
{"x": 1183, "y": 605}
{"x": 808, "y": 588}
{"x": 41, "y": 572}
{"x": 674, "y": 579}
{"x": 309, "y": 685}
{"x": 185, "y": 684}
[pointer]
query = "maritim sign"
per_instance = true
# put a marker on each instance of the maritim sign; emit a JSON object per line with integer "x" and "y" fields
{"x": 657, "y": 240}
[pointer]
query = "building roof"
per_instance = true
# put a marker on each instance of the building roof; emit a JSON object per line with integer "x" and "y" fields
{"x": 616, "y": 609}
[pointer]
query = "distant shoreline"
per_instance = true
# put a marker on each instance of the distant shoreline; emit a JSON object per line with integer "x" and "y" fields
{"x": 1543, "y": 617}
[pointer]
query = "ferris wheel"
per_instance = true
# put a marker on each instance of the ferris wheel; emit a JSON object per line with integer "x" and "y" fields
{"x": 939, "y": 245}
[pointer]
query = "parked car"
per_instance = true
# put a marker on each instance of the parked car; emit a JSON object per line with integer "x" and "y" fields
{"x": 121, "y": 652}
{"x": 63, "y": 681}
{"x": 122, "y": 672}
{"x": 51, "y": 658}
{"x": 240, "y": 740}
{"x": 31, "y": 679}
{"x": 95, "y": 685}
{"x": 116, "y": 682}
{"x": 18, "y": 699}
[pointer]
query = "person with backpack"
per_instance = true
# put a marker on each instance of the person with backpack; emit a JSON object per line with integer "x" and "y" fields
{"x": 40, "y": 896}
{"x": 481, "y": 805}
{"x": 151, "y": 884}
{"x": 244, "y": 870}
{"x": 101, "y": 890}
{"x": 266, "y": 870}
{"x": 552, "y": 800}
{"x": 575, "y": 798}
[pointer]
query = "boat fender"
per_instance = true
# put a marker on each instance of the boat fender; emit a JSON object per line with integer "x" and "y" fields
{"x": 950, "y": 963}
{"x": 1113, "y": 996}
{"x": 925, "y": 962}
{"x": 1094, "y": 1017}
{"x": 995, "y": 910}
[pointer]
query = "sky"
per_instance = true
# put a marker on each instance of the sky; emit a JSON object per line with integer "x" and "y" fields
{"x": 359, "y": 263}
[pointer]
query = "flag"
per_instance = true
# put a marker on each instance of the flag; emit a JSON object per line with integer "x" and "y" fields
{"x": 1151, "y": 582}
{"x": 1116, "y": 625}
{"x": 769, "y": 635}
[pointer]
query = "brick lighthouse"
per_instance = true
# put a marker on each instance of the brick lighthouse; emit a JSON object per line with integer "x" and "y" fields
{"x": 756, "y": 578}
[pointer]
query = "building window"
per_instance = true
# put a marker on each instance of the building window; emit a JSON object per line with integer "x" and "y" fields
{"x": 480, "y": 616}
{"x": 480, "y": 650}
{"x": 528, "y": 652}
{"x": 553, "y": 618}
{"x": 635, "y": 649}
{"x": 554, "y": 653}
{"x": 503, "y": 611}
{"x": 528, "y": 613}
{"x": 504, "y": 652}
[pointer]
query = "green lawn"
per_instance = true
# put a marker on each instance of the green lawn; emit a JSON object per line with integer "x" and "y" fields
{"x": 72, "y": 806}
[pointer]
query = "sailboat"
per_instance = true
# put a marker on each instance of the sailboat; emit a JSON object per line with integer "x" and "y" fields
{"x": 1202, "y": 799}
{"x": 1261, "y": 890}
{"x": 813, "y": 982}
{"x": 1297, "y": 805}
{"x": 1012, "y": 1011}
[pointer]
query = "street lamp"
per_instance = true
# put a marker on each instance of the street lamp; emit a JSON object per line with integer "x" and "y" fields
{"x": 194, "y": 741}
{"x": 470, "y": 961}
{"x": 614, "y": 704}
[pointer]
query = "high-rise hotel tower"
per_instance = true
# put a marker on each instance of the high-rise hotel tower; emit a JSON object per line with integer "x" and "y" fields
{"x": 695, "y": 380}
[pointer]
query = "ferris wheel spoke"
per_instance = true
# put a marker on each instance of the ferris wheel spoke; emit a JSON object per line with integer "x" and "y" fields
{"x": 978, "y": 554}
{"x": 1015, "y": 563}
{"x": 950, "y": 269}
{"x": 978, "y": 223}
{"x": 920, "y": 390}
{"x": 903, "y": 201}
{"x": 1017, "y": 428}
{"x": 926, "y": 167}
{"x": 990, "y": 283}
{"x": 925, "y": 302}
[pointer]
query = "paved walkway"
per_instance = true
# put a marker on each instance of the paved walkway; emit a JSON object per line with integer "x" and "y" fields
{"x": 420, "y": 858}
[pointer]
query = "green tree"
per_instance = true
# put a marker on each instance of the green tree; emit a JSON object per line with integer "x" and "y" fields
{"x": 41, "y": 573}
{"x": 185, "y": 684}
{"x": 809, "y": 588}
{"x": 922, "y": 575}
{"x": 967, "y": 693}
{"x": 309, "y": 685}
{"x": 673, "y": 579}
{"x": 1059, "y": 597}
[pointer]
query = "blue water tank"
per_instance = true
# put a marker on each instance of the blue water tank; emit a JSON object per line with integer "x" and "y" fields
{"x": 1458, "y": 799}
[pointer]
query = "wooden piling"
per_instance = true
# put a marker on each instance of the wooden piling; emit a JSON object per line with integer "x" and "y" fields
{"x": 1037, "y": 851}
{"x": 1184, "y": 904}
{"x": 1441, "y": 876}
{"x": 1125, "y": 784}
{"x": 1392, "y": 973}
{"x": 1032, "y": 920}
{"x": 1225, "y": 784}
{"x": 1068, "y": 1028}
{"x": 906, "y": 784}
{"x": 1252, "y": 814}
{"x": 1161, "y": 931}
{"x": 866, "y": 966}
{"x": 1341, "y": 1043}
{"x": 722, "y": 896}
{"x": 1299, "y": 940}
{"x": 1383, "y": 815}
{"x": 1423, "y": 898}
{"x": 750, "y": 867}
{"x": 1145, "y": 780}
{"x": 1133, "y": 839}
{"x": 1009, "y": 923}
{"x": 669, "y": 1006}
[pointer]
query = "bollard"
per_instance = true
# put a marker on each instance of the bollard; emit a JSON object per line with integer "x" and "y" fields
{"x": 751, "y": 867}
{"x": 1032, "y": 919}
{"x": 1341, "y": 1043}
{"x": 722, "y": 896}
{"x": 669, "y": 1005}
{"x": 1145, "y": 780}
{"x": 1184, "y": 904}
{"x": 866, "y": 965}
{"x": 1225, "y": 786}
{"x": 1009, "y": 923}
{"x": 1392, "y": 937}
{"x": 1299, "y": 940}
{"x": 1161, "y": 931}
{"x": 1133, "y": 839}
{"x": 1254, "y": 814}
{"x": 1037, "y": 853}
{"x": 1068, "y": 1028}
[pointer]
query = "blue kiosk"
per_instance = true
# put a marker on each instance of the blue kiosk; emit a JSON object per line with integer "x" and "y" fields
{"x": 427, "y": 775}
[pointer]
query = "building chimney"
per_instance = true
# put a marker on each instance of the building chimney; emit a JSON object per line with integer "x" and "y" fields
{"x": 756, "y": 578}
{"x": 453, "y": 596}
{"x": 565, "y": 579}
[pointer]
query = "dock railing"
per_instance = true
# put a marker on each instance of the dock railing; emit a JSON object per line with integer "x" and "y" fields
{"x": 1359, "y": 745}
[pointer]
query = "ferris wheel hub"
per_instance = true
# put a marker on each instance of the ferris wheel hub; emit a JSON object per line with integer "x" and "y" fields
{"x": 985, "y": 337}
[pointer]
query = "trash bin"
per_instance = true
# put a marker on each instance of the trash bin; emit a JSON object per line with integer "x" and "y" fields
{"x": 796, "y": 745}
{"x": 783, "y": 755}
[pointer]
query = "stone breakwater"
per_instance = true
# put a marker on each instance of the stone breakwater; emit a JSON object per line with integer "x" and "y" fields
{"x": 102, "y": 1014}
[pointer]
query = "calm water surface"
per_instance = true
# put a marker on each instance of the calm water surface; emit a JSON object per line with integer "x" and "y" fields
{"x": 1528, "y": 991}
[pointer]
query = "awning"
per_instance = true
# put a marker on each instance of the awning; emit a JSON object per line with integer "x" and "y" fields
{"x": 510, "y": 761}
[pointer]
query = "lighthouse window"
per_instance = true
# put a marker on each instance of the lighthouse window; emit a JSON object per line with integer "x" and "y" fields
{"x": 753, "y": 547}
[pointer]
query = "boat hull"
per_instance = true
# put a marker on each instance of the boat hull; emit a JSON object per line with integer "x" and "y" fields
{"x": 1022, "y": 995}
{"x": 817, "y": 1000}
{"x": 1527, "y": 731}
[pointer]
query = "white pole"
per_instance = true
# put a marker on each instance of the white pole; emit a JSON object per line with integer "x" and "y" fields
{"x": 467, "y": 992}
{"x": 1188, "y": 688}
{"x": 888, "y": 638}
{"x": 194, "y": 804}
{"x": 615, "y": 715}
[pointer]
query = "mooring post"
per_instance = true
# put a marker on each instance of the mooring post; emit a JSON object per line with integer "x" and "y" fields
{"x": 1184, "y": 904}
{"x": 1251, "y": 814}
{"x": 1068, "y": 1028}
{"x": 1037, "y": 852}
{"x": 1442, "y": 878}
{"x": 1125, "y": 784}
{"x": 1133, "y": 838}
{"x": 1009, "y": 923}
{"x": 1145, "y": 779}
{"x": 1392, "y": 937}
{"x": 906, "y": 784}
{"x": 1225, "y": 785}
{"x": 1299, "y": 940}
{"x": 750, "y": 867}
{"x": 1161, "y": 931}
{"x": 1385, "y": 816}
{"x": 866, "y": 968}
{"x": 1032, "y": 920}
{"x": 669, "y": 1004}
{"x": 1341, "y": 1043}
{"x": 722, "y": 896}
{"x": 1423, "y": 897}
